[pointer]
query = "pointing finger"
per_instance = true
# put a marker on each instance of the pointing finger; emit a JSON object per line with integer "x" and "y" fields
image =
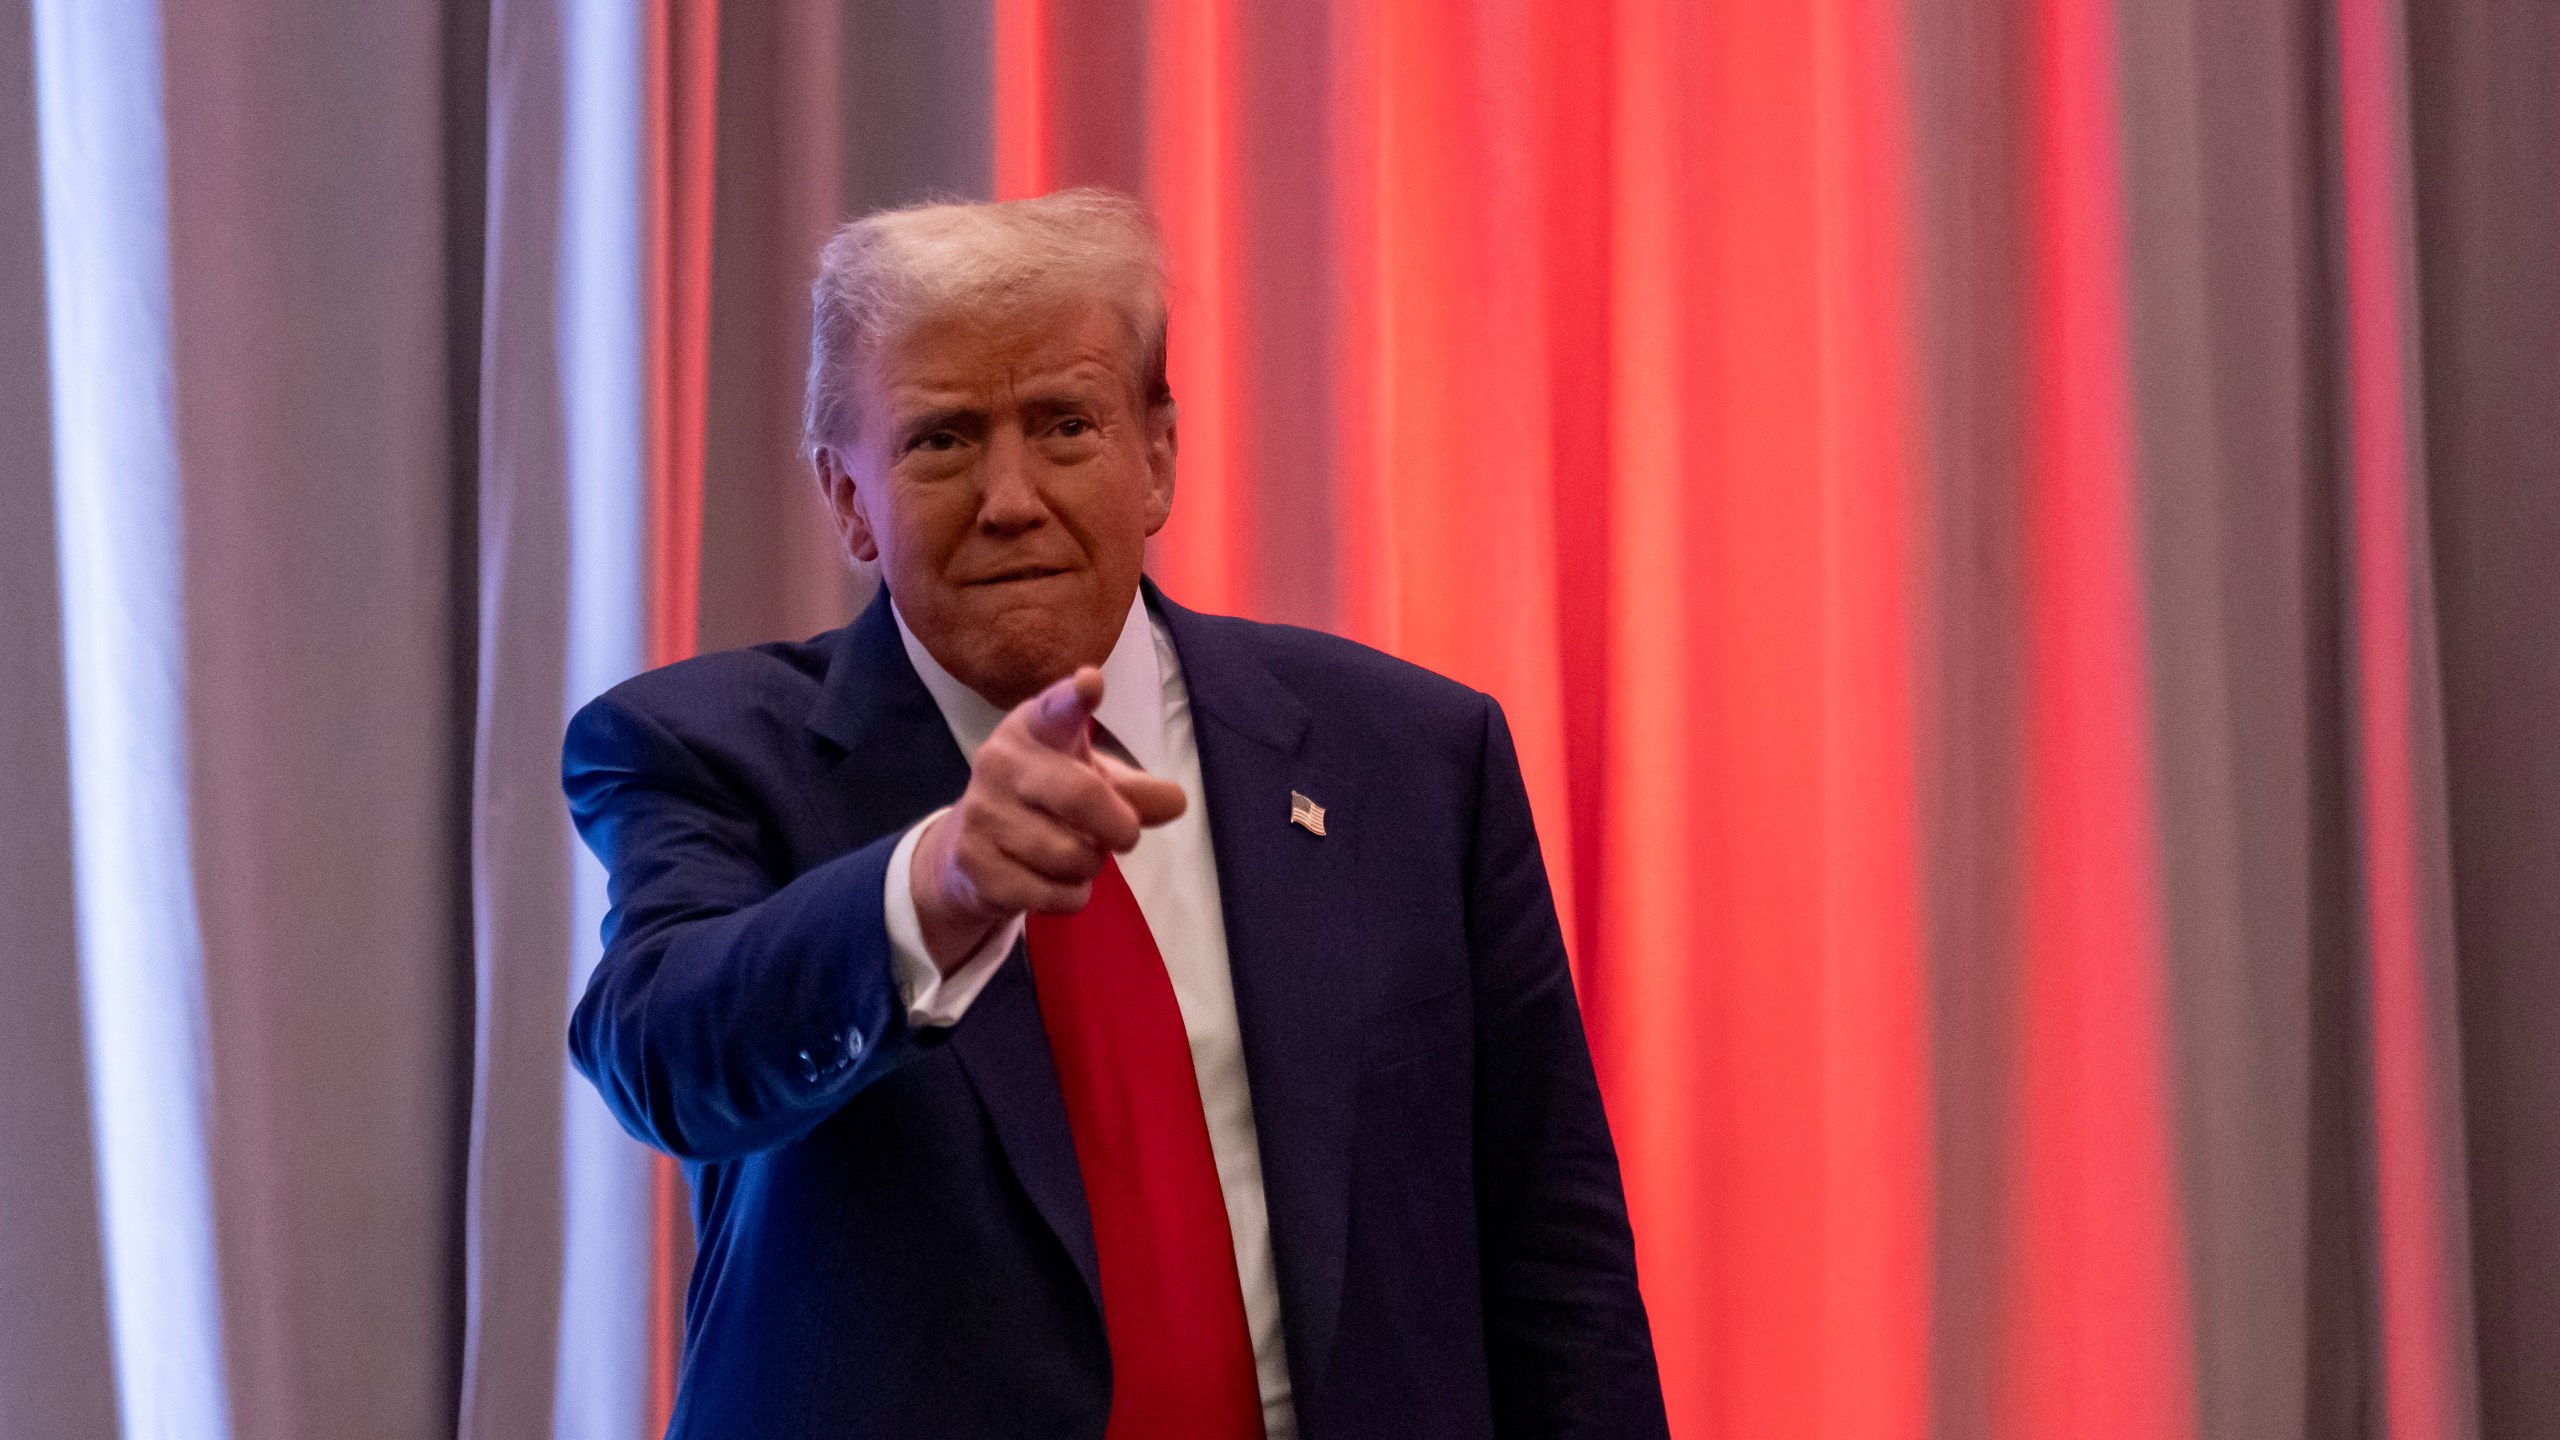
{"x": 1058, "y": 716}
{"x": 1075, "y": 794}
{"x": 1156, "y": 799}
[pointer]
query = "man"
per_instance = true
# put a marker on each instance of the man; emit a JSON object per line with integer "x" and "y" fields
{"x": 1079, "y": 1016}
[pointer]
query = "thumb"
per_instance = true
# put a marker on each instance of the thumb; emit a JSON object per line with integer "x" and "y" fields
{"x": 1156, "y": 799}
{"x": 1060, "y": 717}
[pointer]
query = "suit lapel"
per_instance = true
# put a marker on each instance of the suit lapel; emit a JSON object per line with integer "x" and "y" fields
{"x": 886, "y": 756}
{"x": 1004, "y": 1047}
{"x": 1293, "y": 950}
{"x": 894, "y": 760}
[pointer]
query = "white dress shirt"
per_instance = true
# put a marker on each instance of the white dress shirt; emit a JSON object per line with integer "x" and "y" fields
{"x": 1174, "y": 874}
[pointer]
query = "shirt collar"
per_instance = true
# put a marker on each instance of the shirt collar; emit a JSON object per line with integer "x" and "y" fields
{"x": 1132, "y": 691}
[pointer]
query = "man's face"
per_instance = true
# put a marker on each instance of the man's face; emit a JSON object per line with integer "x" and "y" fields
{"x": 1006, "y": 480}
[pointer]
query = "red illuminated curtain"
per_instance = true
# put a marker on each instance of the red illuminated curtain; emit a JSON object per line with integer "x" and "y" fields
{"x": 1617, "y": 428}
{"x": 683, "y": 40}
{"x": 1939, "y": 489}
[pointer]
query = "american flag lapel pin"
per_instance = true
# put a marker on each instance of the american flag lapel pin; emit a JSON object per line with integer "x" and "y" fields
{"x": 1306, "y": 814}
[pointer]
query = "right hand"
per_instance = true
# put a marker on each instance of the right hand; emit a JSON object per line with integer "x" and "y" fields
{"x": 1043, "y": 811}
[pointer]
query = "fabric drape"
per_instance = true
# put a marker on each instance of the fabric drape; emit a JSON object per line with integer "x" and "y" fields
{"x": 2012, "y": 536}
{"x": 237, "y": 749}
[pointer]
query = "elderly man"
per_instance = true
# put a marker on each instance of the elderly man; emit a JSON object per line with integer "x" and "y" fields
{"x": 1079, "y": 1016}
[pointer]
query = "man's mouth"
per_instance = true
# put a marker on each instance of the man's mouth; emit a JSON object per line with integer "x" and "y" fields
{"x": 1021, "y": 572}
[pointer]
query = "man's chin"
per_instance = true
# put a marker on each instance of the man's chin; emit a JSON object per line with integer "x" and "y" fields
{"x": 1010, "y": 639}
{"x": 1020, "y": 650}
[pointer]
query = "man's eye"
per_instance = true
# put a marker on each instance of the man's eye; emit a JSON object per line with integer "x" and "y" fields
{"x": 1075, "y": 425}
{"x": 935, "y": 440}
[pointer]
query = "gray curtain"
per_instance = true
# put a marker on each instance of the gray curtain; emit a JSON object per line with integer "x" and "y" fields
{"x": 2487, "y": 169}
{"x": 390, "y": 404}
{"x": 301, "y": 551}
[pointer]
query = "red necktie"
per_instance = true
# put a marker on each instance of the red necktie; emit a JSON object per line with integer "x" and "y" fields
{"x": 1181, "y": 1357}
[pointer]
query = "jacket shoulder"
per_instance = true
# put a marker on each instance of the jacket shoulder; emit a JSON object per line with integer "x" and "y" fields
{"x": 710, "y": 703}
{"x": 1347, "y": 682}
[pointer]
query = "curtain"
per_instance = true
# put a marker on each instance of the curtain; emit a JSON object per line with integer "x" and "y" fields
{"x": 234, "y": 919}
{"x": 2012, "y": 537}
{"x": 1977, "y": 514}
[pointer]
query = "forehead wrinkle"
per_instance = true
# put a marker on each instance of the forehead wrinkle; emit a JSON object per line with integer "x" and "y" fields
{"x": 1075, "y": 380}
{"x": 974, "y": 365}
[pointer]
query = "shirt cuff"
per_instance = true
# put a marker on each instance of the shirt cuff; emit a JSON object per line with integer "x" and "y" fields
{"x": 933, "y": 998}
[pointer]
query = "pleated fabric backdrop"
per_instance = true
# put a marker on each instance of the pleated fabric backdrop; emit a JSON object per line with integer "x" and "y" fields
{"x": 2014, "y": 538}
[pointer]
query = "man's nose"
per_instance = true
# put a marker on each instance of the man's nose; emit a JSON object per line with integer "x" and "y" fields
{"x": 1012, "y": 502}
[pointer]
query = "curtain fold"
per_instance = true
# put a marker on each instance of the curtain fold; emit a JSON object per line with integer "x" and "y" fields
{"x": 124, "y": 649}
{"x": 2485, "y": 181}
{"x": 562, "y": 1229}
{"x": 57, "y": 1375}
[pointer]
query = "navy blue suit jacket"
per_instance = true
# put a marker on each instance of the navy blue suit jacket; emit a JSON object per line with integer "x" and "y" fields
{"x": 892, "y": 1232}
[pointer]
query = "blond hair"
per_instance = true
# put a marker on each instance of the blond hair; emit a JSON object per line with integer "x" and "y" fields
{"x": 890, "y": 268}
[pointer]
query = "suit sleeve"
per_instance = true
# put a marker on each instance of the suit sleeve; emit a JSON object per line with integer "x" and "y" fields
{"x": 1569, "y": 1347}
{"x": 735, "y": 1008}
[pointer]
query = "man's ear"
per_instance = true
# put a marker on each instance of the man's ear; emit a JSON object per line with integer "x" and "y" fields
{"x": 1163, "y": 441}
{"x": 844, "y": 501}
